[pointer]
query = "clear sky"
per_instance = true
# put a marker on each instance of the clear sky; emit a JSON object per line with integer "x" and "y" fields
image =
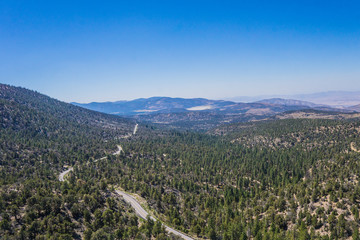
{"x": 112, "y": 50}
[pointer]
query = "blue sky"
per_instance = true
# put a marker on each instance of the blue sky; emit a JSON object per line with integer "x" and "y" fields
{"x": 111, "y": 50}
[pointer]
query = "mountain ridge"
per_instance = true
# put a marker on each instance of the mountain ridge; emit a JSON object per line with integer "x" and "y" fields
{"x": 290, "y": 102}
{"x": 332, "y": 98}
{"x": 167, "y": 105}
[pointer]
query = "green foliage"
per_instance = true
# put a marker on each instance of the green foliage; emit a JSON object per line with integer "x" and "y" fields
{"x": 283, "y": 179}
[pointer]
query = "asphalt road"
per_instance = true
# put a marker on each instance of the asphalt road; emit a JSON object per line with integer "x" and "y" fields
{"x": 62, "y": 175}
{"x": 141, "y": 212}
{"x": 135, "y": 129}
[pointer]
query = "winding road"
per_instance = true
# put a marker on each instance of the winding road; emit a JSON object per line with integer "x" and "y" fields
{"x": 139, "y": 210}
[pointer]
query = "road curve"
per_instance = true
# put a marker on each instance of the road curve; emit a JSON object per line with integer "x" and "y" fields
{"x": 141, "y": 212}
{"x": 118, "y": 151}
{"x": 62, "y": 175}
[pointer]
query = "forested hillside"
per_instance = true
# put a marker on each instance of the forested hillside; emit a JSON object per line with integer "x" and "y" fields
{"x": 284, "y": 179}
{"x": 37, "y": 130}
{"x": 38, "y": 137}
{"x": 274, "y": 179}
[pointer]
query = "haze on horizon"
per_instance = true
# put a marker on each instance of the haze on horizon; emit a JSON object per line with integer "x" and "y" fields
{"x": 106, "y": 51}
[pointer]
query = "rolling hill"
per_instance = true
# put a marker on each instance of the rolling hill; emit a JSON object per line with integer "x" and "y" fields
{"x": 39, "y": 128}
{"x": 355, "y": 108}
{"x": 290, "y": 102}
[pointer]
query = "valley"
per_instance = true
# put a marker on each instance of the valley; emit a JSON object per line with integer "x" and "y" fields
{"x": 71, "y": 173}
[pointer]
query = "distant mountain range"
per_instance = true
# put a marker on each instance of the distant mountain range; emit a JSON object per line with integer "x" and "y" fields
{"x": 156, "y": 105}
{"x": 355, "y": 108}
{"x": 337, "y": 99}
{"x": 201, "y": 114}
{"x": 332, "y": 98}
{"x": 291, "y": 102}
{"x": 161, "y": 105}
